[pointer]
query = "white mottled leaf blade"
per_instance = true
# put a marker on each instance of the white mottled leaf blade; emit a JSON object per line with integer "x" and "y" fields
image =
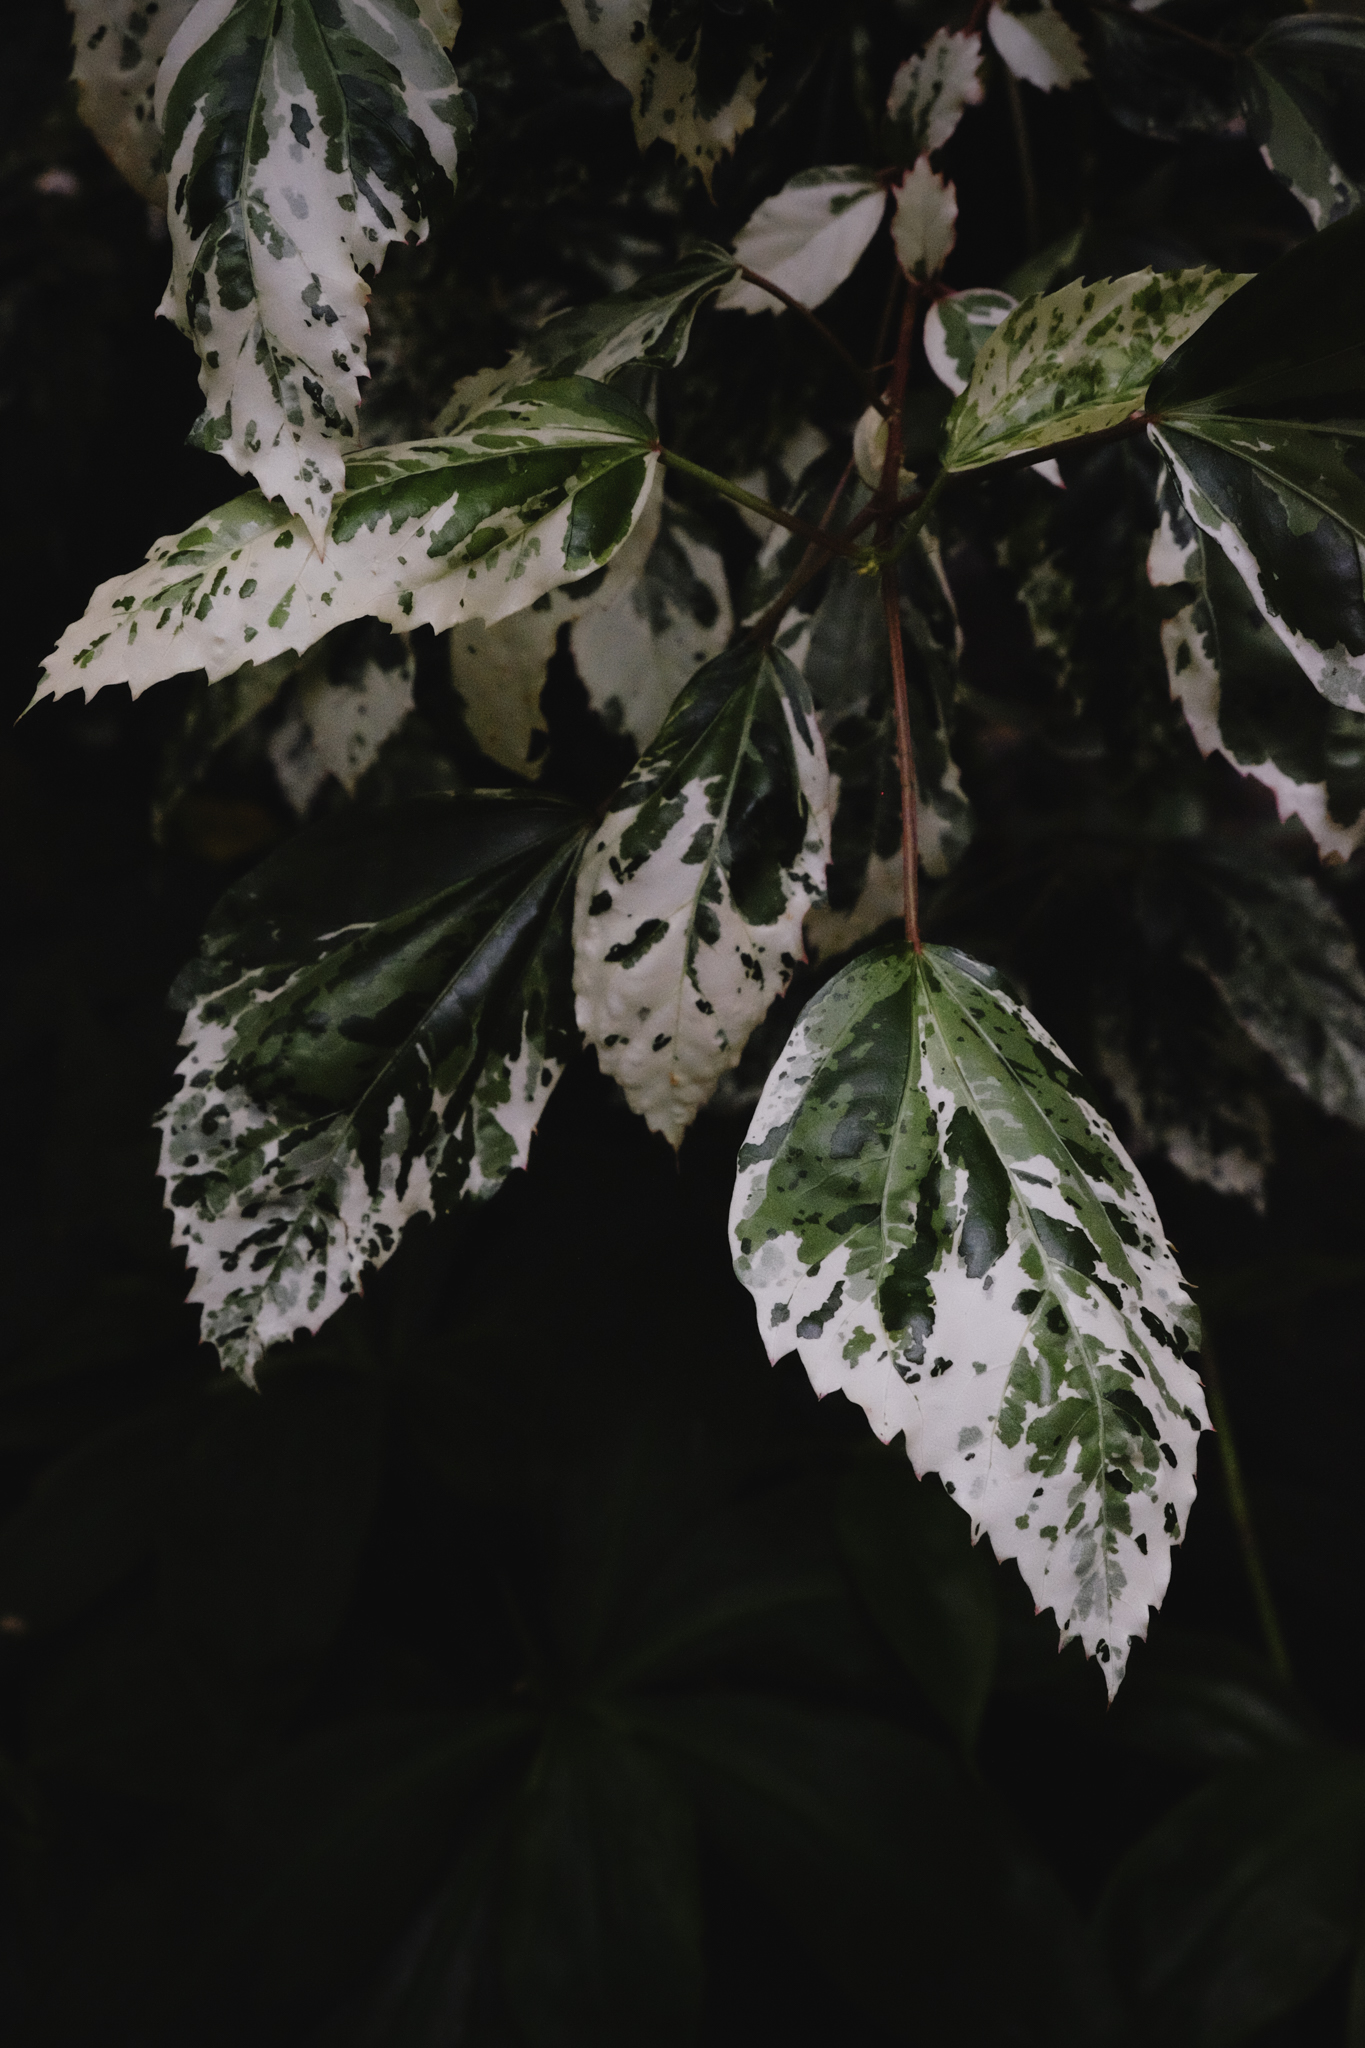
{"x": 477, "y": 525}
{"x": 1039, "y": 46}
{"x": 378, "y": 1019}
{"x": 341, "y": 712}
{"x": 1077, "y": 361}
{"x": 955, "y": 327}
{"x": 924, "y": 224}
{"x": 692, "y": 891}
{"x": 928, "y": 1209}
{"x": 807, "y": 238}
{"x": 301, "y": 140}
{"x": 933, "y": 89}
{"x": 118, "y": 47}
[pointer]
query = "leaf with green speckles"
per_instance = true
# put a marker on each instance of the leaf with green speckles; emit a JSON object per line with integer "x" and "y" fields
{"x": 693, "y": 80}
{"x": 930, "y": 1212}
{"x": 692, "y": 891}
{"x": 379, "y": 1015}
{"x": 931, "y": 91}
{"x": 1244, "y": 695}
{"x": 301, "y": 138}
{"x": 1076, "y": 362}
{"x": 476, "y": 525}
{"x": 118, "y": 46}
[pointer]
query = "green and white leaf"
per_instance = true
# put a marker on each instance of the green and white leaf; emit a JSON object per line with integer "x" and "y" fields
{"x": 118, "y": 48}
{"x": 350, "y": 696}
{"x": 692, "y": 892}
{"x": 1245, "y": 697}
{"x": 1077, "y": 361}
{"x": 807, "y": 238}
{"x": 656, "y": 52}
{"x": 1038, "y": 46}
{"x": 650, "y": 323}
{"x": 377, "y": 1021}
{"x": 475, "y": 526}
{"x": 955, "y": 328}
{"x": 1294, "y": 145}
{"x": 932, "y": 90}
{"x": 301, "y": 138}
{"x": 924, "y": 224}
{"x": 442, "y": 17}
{"x": 930, "y": 1211}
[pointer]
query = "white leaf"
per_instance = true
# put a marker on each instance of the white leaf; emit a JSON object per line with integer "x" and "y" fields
{"x": 931, "y": 91}
{"x": 924, "y": 225}
{"x": 955, "y": 328}
{"x": 281, "y": 198}
{"x": 1038, "y": 46}
{"x": 442, "y": 17}
{"x": 807, "y": 238}
{"x": 119, "y": 45}
{"x": 687, "y": 923}
{"x": 342, "y": 712}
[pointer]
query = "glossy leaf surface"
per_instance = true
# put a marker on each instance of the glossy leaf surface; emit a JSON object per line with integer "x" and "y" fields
{"x": 379, "y": 1016}
{"x": 301, "y": 138}
{"x": 807, "y": 238}
{"x": 693, "y": 889}
{"x": 475, "y": 526}
{"x": 930, "y": 1211}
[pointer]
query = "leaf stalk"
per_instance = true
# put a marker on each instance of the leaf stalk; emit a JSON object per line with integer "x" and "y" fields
{"x": 833, "y": 543}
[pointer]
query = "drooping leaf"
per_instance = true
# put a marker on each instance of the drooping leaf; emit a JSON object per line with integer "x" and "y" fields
{"x": 932, "y": 90}
{"x": 1038, "y": 45}
{"x": 1077, "y": 361}
{"x": 955, "y": 328}
{"x": 807, "y": 238}
{"x": 1292, "y": 84}
{"x": 342, "y": 709}
{"x": 377, "y": 1021}
{"x": 691, "y": 894}
{"x": 924, "y": 224}
{"x": 692, "y": 84}
{"x": 1244, "y": 695}
{"x": 475, "y": 526}
{"x": 650, "y": 323}
{"x": 301, "y": 138}
{"x": 118, "y": 48}
{"x": 930, "y": 1211}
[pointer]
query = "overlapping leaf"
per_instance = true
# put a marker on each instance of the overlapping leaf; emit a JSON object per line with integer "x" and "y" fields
{"x": 1076, "y": 362}
{"x": 1292, "y": 84}
{"x": 932, "y": 90}
{"x": 692, "y": 84}
{"x": 650, "y": 323}
{"x": 118, "y": 48}
{"x": 955, "y": 329}
{"x": 930, "y": 1211}
{"x": 692, "y": 891}
{"x": 341, "y": 712}
{"x": 1245, "y": 696}
{"x": 807, "y": 238}
{"x": 374, "y": 1028}
{"x": 475, "y": 526}
{"x": 301, "y": 137}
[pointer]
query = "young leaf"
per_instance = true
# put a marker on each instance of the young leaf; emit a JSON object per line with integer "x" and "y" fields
{"x": 930, "y": 1211}
{"x": 924, "y": 225}
{"x": 931, "y": 91}
{"x": 1244, "y": 695}
{"x": 1077, "y": 361}
{"x": 475, "y": 526}
{"x": 344, "y": 706}
{"x": 119, "y": 45}
{"x": 1038, "y": 45}
{"x": 955, "y": 328}
{"x": 691, "y": 894}
{"x": 375, "y": 1025}
{"x": 807, "y": 238}
{"x": 649, "y": 323}
{"x": 301, "y": 138}
{"x": 688, "y": 87}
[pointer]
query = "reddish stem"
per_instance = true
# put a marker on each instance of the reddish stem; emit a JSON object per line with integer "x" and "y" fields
{"x": 891, "y": 607}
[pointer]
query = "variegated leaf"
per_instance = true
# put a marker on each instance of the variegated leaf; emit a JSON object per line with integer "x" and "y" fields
{"x": 924, "y": 224}
{"x": 1294, "y": 72}
{"x": 376, "y": 1023}
{"x": 1038, "y": 45}
{"x": 1244, "y": 695}
{"x": 475, "y": 526}
{"x": 1077, "y": 361}
{"x": 301, "y": 138}
{"x": 350, "y": 696}
{"x": 650, "y": 323}
{"x": 931, "y": 91}
{"x": 690, "y": 86}
{"x": 930, "y": 1211}
{"x": 956, "y": 326}
{"x": 807, "y": 238}
{"x": 118, "y": 48}
{"x": 691, "y": 895}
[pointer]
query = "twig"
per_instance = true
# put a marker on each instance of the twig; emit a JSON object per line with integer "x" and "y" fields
{"x": 1028, "y": 184}
{"x": 1239, "y": 1507}
{"x": 831, "y": 340}
{"x": 811, "y": 562}
{"x": 833, "y": 543}
{"x": 891, "y": 609}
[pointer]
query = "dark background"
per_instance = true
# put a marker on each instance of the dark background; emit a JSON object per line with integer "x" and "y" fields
{"x": 528, "y": 1661}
